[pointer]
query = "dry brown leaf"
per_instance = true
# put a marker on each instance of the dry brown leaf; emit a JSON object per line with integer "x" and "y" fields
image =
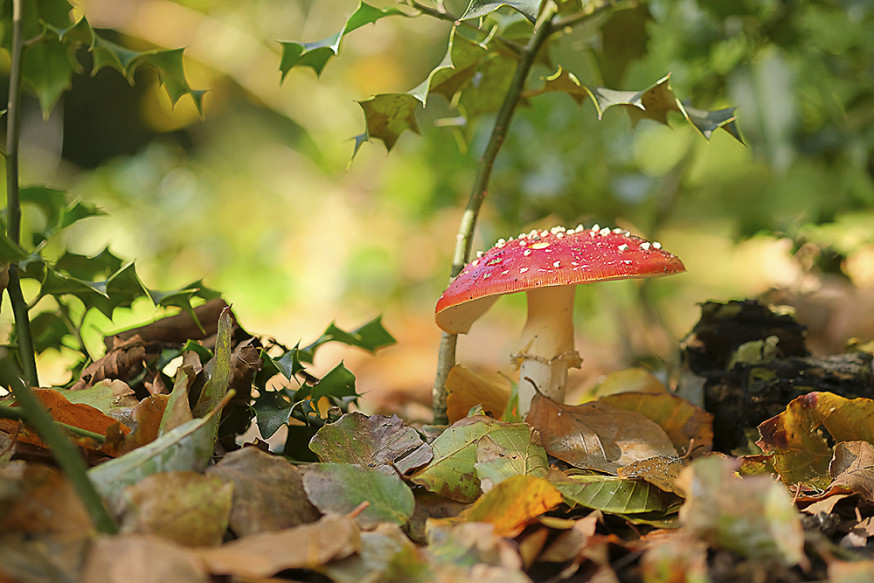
{"x": 853, "y": 468}
{"x": 674, "y": 557}
{"x": 176, "y": 329}
{"x": 137, "y": 558}
{"x": 147, "y": 419}
{"x": 661, "y": 472}
{"x": 42, "y": 559}
{"x": 268, "y": 492}
{"x": 596, "y": 435}
{"x": 38, "y": 499}
{"x": 118, "y": 363}
{"x": 467, "y": 389}
{"x": 302, "y": 547}
{"x": 570, "y": 543}
{"x": 186, "y": 507}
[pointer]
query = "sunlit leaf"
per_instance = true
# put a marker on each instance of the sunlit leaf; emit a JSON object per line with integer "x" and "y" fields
{"x": 452, "y": 472}
{"x": 853, "y": 468}
{"x": 797, "y": 437}
{"x": 478, "y": 8}
{"x": 456, "y": 69}
{"x": 388, "y": 115}
{"x": 466, "y": 389}
{"x": 316, "y": 55}
{"x": 514, "y": 503}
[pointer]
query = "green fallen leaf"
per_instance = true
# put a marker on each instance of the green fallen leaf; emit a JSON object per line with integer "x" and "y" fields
{"x": 342, "y": 488}
{"x": 369, "y": 441}
{"x": 513, "y": 451}
{"x": 612, "y": 495}
{"x": 452, "y": 471}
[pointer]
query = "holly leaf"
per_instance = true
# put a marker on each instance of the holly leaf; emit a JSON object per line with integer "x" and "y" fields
{"x": 272, "y": 411}
{"x": 388, "y": 115}
{"x": 457, "y": 68}
{"x": 316, "y": 55}
{"x": 339, "y": 382}
{"x": 370, "y": 337}
{"x": 653, "y": 103}
{"x": 478, "y": 8}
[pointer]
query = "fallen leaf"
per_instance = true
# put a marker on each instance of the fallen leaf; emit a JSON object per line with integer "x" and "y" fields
{"x": 596, "y": 435}
{"x": 137, "y": 558}
{"x": 341, "y": 488}
{"x": 452, "y": 471}
{"x": 752, "y": 516}
{"x": 466, "y": 389}
{"x": 302, "y": 547}
{"x": 107, "y": 396}
{"x": 801, "y": 454}
{"x": 186, "y": 507}
{"x": 515, "y": 450}
{"x": 661, "y": 472}
{"x": 370, "y": 441}
{"x": 471, "y": 543}
{"x": 268, "y": 492}
{"x": 629, "y": 380}
{"x": 189, "y": 447}
{"x": 42, "y": 559}
{"x": 382, "y": 550}
{"x": 514, "y": 503}
{"x": 147, "y": 417}
{"x": 38, "y": 499}
{"x": 568, "y": 545}
{"x": 610, "y": 494}
{"x": 74, "y": 414}
{"x": 853, "y": 468}
{"x": 674, "y": 557}
{"x": 687, "y": 426}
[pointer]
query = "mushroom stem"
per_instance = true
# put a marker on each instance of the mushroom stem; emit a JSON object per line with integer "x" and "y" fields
{"x": 546, "y": 349}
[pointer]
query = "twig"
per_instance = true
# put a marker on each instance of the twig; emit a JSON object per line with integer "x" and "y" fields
{"x": 464, "y": 239}
{"x": 13, "y": 201}
{"x": 66, "y": 454}
{"x": 449, "y": 17}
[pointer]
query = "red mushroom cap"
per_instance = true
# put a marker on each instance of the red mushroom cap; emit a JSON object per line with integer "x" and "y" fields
{"x": 548, "y": 258}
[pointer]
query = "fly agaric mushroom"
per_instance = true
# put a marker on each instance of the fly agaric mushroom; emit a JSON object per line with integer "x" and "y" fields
{"x": 548, "y": 265}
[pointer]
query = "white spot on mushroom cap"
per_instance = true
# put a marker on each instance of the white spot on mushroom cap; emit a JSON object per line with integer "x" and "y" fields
{"x": 623, "y": 247}
{"x": 557, "y": 264}
{"x": 645, "y": 246}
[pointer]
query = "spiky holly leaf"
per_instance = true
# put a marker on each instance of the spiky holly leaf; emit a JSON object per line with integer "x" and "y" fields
{"x": 455, "y": 70}
{"x": 654, "y": 103}
{"x": 388, "y": 115}
{"x": 370, "y": 336}
{"x": 272, "y": 411}
{"x": 316, "y": 55}
{"x": 478, "y": 8}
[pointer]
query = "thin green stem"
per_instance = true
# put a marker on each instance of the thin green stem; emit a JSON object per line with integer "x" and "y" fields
{"x": 449, "y": 17}
{"x": 13, "y": 201}
{"x": 65, "y": 453}
{"x": 464, "y": 239}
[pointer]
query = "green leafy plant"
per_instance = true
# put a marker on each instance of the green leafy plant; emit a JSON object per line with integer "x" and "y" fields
{"x": 492, "y": 49}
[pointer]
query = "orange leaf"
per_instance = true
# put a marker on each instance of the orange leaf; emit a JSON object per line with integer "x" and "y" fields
{"x": 75, "y": 414}
{"x": 466, "y": 390}
{"x": 514, "y": 503}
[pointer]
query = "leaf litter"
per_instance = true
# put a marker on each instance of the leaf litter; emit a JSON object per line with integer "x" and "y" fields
{"x": 621, "y": 488}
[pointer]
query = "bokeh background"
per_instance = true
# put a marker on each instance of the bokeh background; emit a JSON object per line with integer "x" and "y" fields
{"x": 259, "y": 199}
